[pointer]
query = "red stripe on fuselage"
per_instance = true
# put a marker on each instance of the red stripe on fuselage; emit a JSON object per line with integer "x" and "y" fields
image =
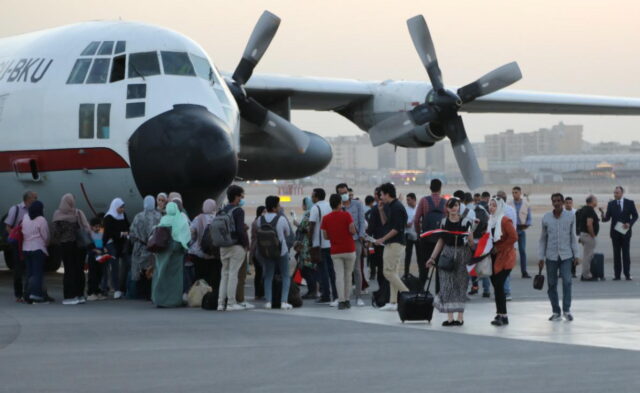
{"x": 64, "y": 159}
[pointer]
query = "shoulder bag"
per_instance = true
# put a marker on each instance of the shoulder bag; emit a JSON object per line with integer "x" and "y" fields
{"x": 159, "y": 239}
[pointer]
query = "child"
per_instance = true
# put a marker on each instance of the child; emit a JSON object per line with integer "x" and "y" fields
{"x": 96, "y": 261}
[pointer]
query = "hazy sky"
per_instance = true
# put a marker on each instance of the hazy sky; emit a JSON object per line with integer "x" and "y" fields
{"x": 569, "y": 46}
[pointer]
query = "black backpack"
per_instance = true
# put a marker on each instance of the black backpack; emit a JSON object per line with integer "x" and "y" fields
{"x": 483, "y": 217}
{"x": 267, "y": 236}
{"x": 210, "y": 301}
{"x": 206, "y": 244}
{"x": 433, "y": 218}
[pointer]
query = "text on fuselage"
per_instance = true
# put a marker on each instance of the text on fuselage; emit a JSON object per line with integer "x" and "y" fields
{"x": 24, "y": 70}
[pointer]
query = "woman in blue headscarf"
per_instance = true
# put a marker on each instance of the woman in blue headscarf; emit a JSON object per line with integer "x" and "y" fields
{"x": 303, "y": 247}
{"x": 167, "y": 284}
{"x": 141, "y": 259}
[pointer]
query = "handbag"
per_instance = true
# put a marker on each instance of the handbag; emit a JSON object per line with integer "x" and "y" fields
{"x": 446, "y": 263}
{"x": 83, "y": 238}
{"x": 484, "y": 268}
{"x": 196, "y": 293}
{"x": 538, "y": 281}
{"x": 315, "y": 253}
{"x": 159, "y": 239}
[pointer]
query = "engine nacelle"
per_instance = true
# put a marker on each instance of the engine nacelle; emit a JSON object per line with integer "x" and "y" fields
{"x": 421, "y": 136}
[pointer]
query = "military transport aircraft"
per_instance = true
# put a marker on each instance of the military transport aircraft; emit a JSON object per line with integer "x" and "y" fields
{"x": 112, "y": 108}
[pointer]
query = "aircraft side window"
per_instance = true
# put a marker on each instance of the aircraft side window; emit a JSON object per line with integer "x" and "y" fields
{"x": 106, "y": 48}
{"x": 118, "y": 68}
{"x": 137, "y": 90}
{"x": 99, "y": 71}
{"x": 79, "y": 71}
{"x": 87, "y": 121}
{"x": 121, "y": 46}
{"x": 202, "y": 67}
{"x": 91, "y": 49}
{"x": 143, "y": 64}
{"x": 177, "y": 63}
{"x": 104, "y": 112}
{"x": 135, "y": 109}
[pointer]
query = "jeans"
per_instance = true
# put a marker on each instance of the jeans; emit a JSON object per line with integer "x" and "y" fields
{"x": 552, "y": 278}
{"x": 35, "y": 271}
{"x": 620, "y": 244}
{"x": 486, "y": 283}
{"x": 357, "y": 269}
{"x": 269, "y": 271}
{"x": 522, "y": 250}
{"x": 328, "y": 288}
{"x": 18, "y": 271}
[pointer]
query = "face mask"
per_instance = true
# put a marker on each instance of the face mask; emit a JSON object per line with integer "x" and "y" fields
{"x": 345, "y": 197}
{"x": 241, "y": 203}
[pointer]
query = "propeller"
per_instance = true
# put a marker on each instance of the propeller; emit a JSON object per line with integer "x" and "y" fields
{"x": 250, "y": 109}
{"x": 441, "y": 106}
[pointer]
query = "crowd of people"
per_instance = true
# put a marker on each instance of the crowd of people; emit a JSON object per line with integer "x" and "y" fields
{"x": 331, "y": 246}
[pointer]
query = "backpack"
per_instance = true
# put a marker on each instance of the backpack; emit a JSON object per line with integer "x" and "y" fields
{"x": 223, "y": 229}
{"x": 433, "y": 218}
{"x": 4, "y": 234}
{"x": 267, "y": 236}
{"x": 210, "y": 301}
{"x": 580, "y": 222}
{"x": 482, "y": 215}
{"x": 206, "y": 245}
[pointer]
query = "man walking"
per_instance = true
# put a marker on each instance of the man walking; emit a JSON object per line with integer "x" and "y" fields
{"x": 356, "y": 209}
{"x": 623, "y": 214}
{"x": 394, "y": 219}
{"x": 558, "y": 248}
{"x": 523, "y": 222}
{"x": 319, "y": 210}
{"x": 588, "y": 226}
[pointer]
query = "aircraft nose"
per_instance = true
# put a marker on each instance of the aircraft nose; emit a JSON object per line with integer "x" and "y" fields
{"x": 186, "y": 149}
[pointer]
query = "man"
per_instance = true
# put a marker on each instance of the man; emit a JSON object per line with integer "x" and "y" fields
{"x": 328, "y": 290}
{"x": 477, "y": 198}
{"x": 523, "y": 222}
{"x": 568, "y": 205}
{"x": 14, "y": 218}
{"x": 484, "y": 199}
{"x": 623, "y": 214}
{"x": 233, "y": 257}
{"x": 588, "y": 225}
{"x": 510, "y": 213}
{"x": 558, "y": 248}
{"x": 411, "y": 237}
{"x": 429, "y": 215}
{"x": 279, "y": 223}
{"x": 356, "y": 209}
{"x": 394, "y": 219}
{"x": 369, "y": 200}
{"x": 375, "y": 229}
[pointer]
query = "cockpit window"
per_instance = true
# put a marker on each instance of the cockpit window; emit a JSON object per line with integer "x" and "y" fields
{"x": 143, "y": 64}
{"x": 99, "y": 71}
{"x": 120, "y": 47}
{"x": 177, "y": 63}
{"x": 79, "y": 71}
{"x": 203, "y": 69}
{"x": 91, "y": 49}
{"x": 106, "y": 48}
{"x": 118, "y": 67}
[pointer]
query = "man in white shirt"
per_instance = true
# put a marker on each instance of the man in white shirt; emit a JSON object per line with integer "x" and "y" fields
{"x": 411, "y": 236}
{"x": 280, "y": 224}
{"x": 328, "y": 290}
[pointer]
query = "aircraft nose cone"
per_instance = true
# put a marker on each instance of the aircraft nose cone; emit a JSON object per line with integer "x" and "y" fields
{"x": 188, "y": 150}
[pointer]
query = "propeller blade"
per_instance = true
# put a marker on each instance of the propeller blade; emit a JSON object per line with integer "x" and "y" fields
{"x": 261, "y": 37}
{"x": 491, "y": 82}
{"x": 426, "y": 50}
{"x": 286, "y": 132}
{"x": 463, "y": 151}
{"x": 400, "y": 125}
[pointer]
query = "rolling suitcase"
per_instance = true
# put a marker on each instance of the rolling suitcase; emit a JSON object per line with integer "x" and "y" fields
{"x": 597, "y": 266}
{"x": 416, "y": 306}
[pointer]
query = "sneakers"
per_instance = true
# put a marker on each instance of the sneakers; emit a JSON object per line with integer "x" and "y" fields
{"x": 39, "y": 300}
{"x": 247, "y": 306}
{"x": 473, "y": 291}
{"x": 499, "y": 320}
{"x": 267, "y": 305}
{"x": 81, "y": 299}
{"x": 359, "y": 302}
{"x": 389, "y": 307}
{"x": 509, "y": 298}
{"x": 117, "y": 295}
{"x": 235, "y": 307}
{"x": 568, "y": 316}
{"x": 334, "y": 303}
{"x": 220, "y": 307}
{"x": 93, "y": 298}
{"x": 71, "y": 302}
{"x": 342, "y": 306}
{"x": 526, "y": 275}
{"x": 286, "y": 306}
{"x": 555, "y": 317}
{"x": 486, "y": 294}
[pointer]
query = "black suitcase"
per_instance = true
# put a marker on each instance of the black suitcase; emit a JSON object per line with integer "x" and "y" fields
{"x": 412, "y": 282}
{"x": 416, "y": 306}
{"x": 597, "y": 266}
{"x": 210, "y": 301}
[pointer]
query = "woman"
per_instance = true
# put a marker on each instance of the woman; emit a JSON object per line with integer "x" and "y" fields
{"x": 456, "y": 247}
{"x": 207, "y": 266}
{"x": 166, "y": 287}
{"x": 141, "y": 259}
{"x": 67, "y": 223}
{"x": 161, "y": 203}
{"x": 503, "y": 256}
{"x": 258, "y": 279}
{"x": 303, "y": 246}
{"x": 36, "y": 238}
{"x": 116, "y": 230}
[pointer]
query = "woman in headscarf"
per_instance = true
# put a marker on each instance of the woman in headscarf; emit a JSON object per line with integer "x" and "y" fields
{"x": 67, "y": 223}
{"x": 207, "y": 266}
{"x": 116, "y": 231}
{"x": 454, "y": 245}
{"x": 303, "y": 247}
{"x": 258, "y": 280}
{"x": 167, "y": 284}
{"x": 161, "y": 202}
{"x": 503, "y": 255}
{"x": 141, "y": 259}
{"x": 34, "y": 245}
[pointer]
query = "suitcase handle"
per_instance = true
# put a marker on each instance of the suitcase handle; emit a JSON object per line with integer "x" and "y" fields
{"x": 432, "y": 270}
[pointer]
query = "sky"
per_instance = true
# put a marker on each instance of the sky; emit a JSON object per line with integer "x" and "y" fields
{"x": 570, "y": 46}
